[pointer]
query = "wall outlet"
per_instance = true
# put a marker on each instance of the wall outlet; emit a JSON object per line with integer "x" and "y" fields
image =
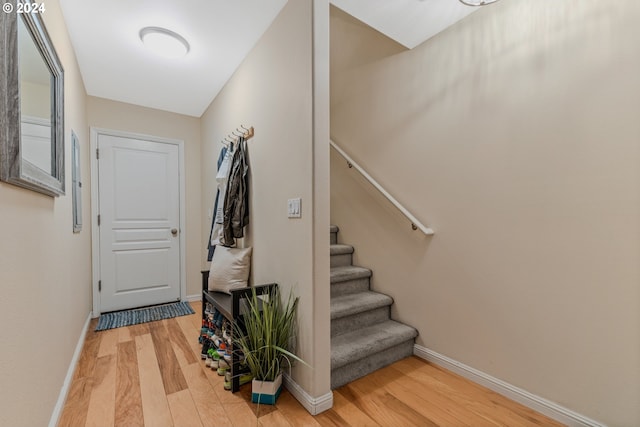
{"x": 294, "y": 208}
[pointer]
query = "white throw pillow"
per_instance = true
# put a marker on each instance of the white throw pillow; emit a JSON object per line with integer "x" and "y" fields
{"x": 229, "y": 269}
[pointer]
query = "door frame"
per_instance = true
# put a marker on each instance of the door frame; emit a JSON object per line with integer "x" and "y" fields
{"x": 95, "y": 208}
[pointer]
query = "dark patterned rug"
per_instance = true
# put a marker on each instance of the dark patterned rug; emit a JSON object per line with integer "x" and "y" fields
{"x": 118, "y": 319}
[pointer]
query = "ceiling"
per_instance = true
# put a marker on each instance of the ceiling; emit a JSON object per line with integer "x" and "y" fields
{"x": 115, "y": 65}
{"x": 409, "y": 22}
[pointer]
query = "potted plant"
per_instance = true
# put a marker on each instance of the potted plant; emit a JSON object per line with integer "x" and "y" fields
{"x": 266, "y": 336}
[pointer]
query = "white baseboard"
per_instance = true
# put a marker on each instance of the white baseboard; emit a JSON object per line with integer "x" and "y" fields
{"x": 537, "y": 403}
{"x": 314, "y": 405}
{"x": 192, "y": 298}
{"x": 62, "y": 397}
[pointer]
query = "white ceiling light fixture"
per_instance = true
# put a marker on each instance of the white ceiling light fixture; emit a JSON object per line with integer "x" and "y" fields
{"x": 477, "y": 2}
{"x": 164, "y": 42}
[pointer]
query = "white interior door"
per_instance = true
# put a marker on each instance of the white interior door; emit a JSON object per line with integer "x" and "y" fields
{"x": 139, "y": 222}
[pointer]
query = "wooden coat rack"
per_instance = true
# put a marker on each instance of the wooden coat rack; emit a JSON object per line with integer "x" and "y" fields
{"x": 232, "y": 138}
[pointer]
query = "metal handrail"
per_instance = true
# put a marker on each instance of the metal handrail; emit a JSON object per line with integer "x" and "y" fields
{"x": 415, "y": 223}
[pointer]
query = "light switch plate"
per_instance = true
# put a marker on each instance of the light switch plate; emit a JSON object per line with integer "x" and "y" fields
{"x": 294, "y": 208}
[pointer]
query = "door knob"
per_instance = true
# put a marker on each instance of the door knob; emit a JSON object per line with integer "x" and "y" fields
{"x": 174, "y": 231}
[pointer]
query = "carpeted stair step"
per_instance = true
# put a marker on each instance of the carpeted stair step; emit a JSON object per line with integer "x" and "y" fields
{"x": 349, "y": 279}
{"x": 341, "y": 255}
{"x": 333, "y": 234}
{"x": 362, "y": 351}
{"x": 358, "y": 310}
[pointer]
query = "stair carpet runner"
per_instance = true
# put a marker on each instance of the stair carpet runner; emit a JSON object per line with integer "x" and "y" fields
{"x": 363, "y": 336}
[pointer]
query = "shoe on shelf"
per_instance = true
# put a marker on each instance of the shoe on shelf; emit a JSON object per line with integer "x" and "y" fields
{"x": 212, "y": 358}
{"x": 223, "y": 367}
{"x": 244, "y": 378}
{"x": 206, "y": 345}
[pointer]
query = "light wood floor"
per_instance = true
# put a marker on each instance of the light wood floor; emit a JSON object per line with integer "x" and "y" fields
{"x": 152, "y": 375}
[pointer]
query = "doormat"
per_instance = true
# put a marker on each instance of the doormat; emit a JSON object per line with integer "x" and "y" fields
{"x": 118, "y": 319}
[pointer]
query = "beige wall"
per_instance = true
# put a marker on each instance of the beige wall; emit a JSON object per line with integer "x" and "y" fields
{"x": 107, "y": 114}
{"x": 272, "y": 91}
{"x": 45, "y": 269}
{"x": 515, "y": 135}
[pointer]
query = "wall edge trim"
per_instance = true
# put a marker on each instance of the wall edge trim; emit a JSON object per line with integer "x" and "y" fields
{"x": 314, "y": 405}
{"x": 530, "y": 400}
{"x": 66, "y": 385}
{"x": 193, "y": 298}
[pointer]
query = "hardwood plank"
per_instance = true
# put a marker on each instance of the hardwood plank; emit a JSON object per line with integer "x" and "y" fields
{"x": 148, "y": 357}
{"x": 108, "y": 342}
{"x": 101, "y": 410}
{"x": 294, "y": 412}
{"x": 93, "y": 323}
{"x": 217, "y": 383}
{"x": 172, "y": 377}
{"x": 74, "y": 412}
{"x": 183, "y": 410}
{"x": 140, "y": 329}
{"x": 206, "y": 400}
{"x": 128, "y": 396}
{"x": 89, "y": 354}
{"x": 471, "y": 396}
{"x": 196, "y": 319}
{"x": 349, "y": 412}
{"x": 383, "y": 407}
{"x": 155, "y": 407}
{"x": 181, "y": 348}
{"x": 191, "y": 335}
{"x": 444, "y": 401}
{"x": 403, "y": 387}
{"x": 331, "y": 419}
{"x": 274, "y": 419}
{"x": 258, "y": 410}
{"x": 124, "y": 334}
{"x": 491, "y": 398}
{"x": 240, "y": 414}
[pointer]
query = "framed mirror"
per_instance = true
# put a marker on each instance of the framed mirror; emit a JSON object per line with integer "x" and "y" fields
{"x": 76, "y": 183}
{"x": 31, "y": 105}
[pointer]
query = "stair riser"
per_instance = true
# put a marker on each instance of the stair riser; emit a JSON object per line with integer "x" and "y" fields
{"x": 370, "y": 363}
{"x": 333, "y": 238}
{"x": 350, "y": 286}
{"x": 360, "y": 320}
{"x": 341, "y": 260}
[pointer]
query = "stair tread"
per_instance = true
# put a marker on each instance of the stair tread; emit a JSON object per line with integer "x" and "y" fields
{"x": 338, "y": 249}
{"x": 359, "y": 302}
{"x": 348, "y": 272}
{"x": 333, "y": 229}
{"x": 357, "y": 344}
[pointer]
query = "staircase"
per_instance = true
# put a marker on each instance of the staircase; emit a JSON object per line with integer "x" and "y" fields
{"x": 363, "y": 336}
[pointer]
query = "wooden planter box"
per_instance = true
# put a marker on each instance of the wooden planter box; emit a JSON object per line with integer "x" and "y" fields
{"x": 266, "y": 391}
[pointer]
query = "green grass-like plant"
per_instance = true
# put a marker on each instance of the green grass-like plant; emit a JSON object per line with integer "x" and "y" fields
{"x": 268, "y": 334}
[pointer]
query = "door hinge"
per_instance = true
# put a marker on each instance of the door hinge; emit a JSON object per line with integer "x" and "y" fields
{"x": 99, "y": 285}
{"x": 98, "y": 220}
{"x": 97, "y": 154}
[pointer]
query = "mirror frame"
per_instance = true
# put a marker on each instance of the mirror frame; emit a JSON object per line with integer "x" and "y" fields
{"x": 13, "y": 168}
